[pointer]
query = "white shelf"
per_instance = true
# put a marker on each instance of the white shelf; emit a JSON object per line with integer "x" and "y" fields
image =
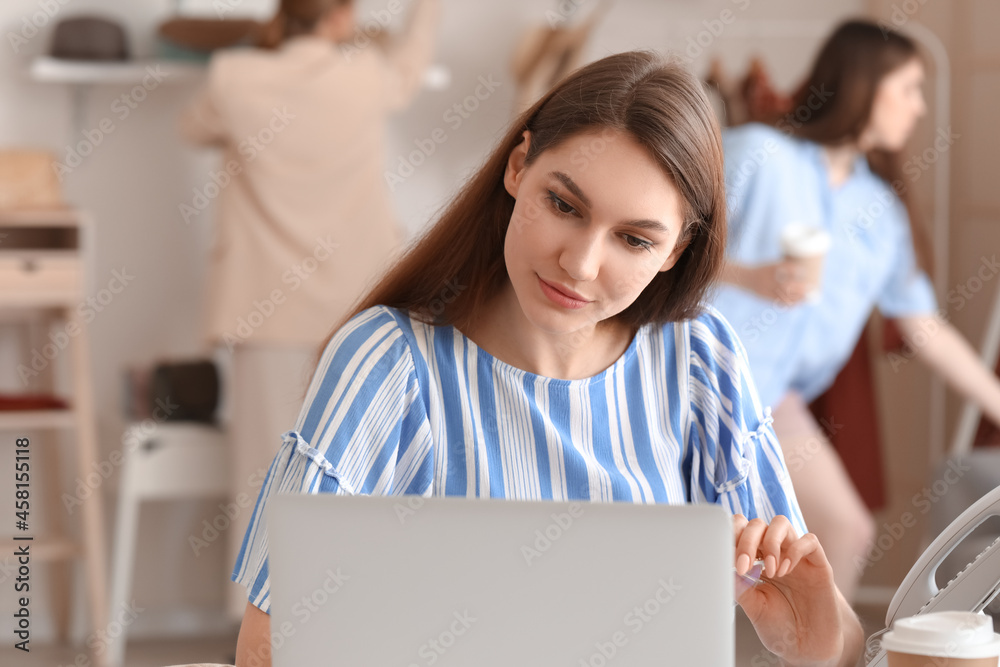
{"x": 50, "y": 298}
{"x": 15, "y": 420}
{"x": 45, "y": 69}
{"x": 42, "y": 548}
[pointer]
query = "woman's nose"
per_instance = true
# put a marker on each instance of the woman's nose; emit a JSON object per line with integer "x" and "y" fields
{"x": 581, "y": 256}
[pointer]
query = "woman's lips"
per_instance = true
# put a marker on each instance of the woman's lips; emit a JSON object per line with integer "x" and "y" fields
{"x": 556, "y": 294}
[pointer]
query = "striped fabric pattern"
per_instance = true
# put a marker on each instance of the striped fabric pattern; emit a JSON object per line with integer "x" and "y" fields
{"x": 397, "y": 406}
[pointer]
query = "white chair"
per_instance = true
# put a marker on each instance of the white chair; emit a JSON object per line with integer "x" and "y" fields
{"x": 172, "y": 460}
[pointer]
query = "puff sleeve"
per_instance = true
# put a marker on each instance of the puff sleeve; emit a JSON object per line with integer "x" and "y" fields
{"x": 363, "y": 429}
{"x": 732, "y": 452}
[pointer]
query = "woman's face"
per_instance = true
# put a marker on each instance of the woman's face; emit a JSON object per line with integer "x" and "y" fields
{"x": 899, "y": 102}
{"x": 595, "y": 216}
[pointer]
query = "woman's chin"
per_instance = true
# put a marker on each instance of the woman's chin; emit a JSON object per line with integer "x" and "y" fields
{"x": 897, "y": 144}
{"x": 553, "y": 323}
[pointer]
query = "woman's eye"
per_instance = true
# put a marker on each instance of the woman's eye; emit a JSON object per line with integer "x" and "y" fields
{"x": 639, "y": 244}
{"x": 560, "y": 205}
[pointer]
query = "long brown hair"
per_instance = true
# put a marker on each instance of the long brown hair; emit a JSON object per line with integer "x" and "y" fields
{"x": 293, "y": 18}
{"x": 849, "y": 68}
{"x": 454, "y": 270}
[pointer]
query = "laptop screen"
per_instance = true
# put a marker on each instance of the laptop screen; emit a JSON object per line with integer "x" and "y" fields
{"x": 409, "y": 581}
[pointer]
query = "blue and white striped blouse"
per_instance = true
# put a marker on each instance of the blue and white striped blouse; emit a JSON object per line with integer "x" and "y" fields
{"x": 397, "y": 406}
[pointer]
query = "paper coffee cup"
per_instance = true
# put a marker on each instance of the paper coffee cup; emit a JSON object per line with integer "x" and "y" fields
{"x": 943, "y": 639}
{"x": 808, "y": 245}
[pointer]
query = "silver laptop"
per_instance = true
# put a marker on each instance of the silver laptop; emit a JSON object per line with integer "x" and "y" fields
{"x": 455, "y": 582}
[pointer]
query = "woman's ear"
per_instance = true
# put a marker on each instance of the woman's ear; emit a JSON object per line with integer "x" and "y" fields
{"x": 515, "y": 165}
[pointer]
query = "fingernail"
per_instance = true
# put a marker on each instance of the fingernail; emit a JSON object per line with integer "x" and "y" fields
{"x": 785, "y": 565}
{"x": 770, "y": 566}
{"x": 743, "y": 564}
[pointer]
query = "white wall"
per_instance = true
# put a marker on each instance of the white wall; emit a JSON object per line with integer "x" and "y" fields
{"x": 136, "y": 178}
{"x": 479, "y": 38}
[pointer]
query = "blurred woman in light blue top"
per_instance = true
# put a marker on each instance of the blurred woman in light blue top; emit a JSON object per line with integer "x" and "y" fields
{"x": 834, "y": 163}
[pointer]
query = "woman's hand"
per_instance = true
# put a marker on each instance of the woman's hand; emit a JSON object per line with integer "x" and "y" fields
{"x": 796, "y": 609}
{"x": 783, "y": 282}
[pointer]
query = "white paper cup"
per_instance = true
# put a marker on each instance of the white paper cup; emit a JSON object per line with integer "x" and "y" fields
{"x": 808, "y": 246}
{"x": 943, "y": 639}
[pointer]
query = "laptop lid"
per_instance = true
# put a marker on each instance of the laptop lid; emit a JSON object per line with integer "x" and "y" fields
{"x": 366, "y": 581}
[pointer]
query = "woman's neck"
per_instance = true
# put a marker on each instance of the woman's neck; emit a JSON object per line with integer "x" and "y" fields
{"x": 507, "y": 335}
{"x": 840, "y": 161}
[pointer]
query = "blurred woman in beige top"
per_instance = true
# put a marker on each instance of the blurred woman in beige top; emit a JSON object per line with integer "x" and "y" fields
{"x": 303, "y": 214}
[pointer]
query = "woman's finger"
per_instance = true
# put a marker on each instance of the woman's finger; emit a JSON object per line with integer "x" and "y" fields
{"x": 806, "y": 547}
{"x": 779, "y": 534}
{"x": 781, "y": 273}
{"x": 792, "y": 292}
{"x": 739, "y": 523}
{"x": 748, "y": 544}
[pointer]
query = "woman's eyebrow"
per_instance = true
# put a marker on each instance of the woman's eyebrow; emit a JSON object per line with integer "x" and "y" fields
{"x": 571, "y": 185}
{"x": 654, "y": 225}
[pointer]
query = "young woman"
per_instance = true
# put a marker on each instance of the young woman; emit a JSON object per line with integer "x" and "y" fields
{"x": 834, "y": 163}
{"x": 546, "y": 339}
{"x": 304, "y": 218}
